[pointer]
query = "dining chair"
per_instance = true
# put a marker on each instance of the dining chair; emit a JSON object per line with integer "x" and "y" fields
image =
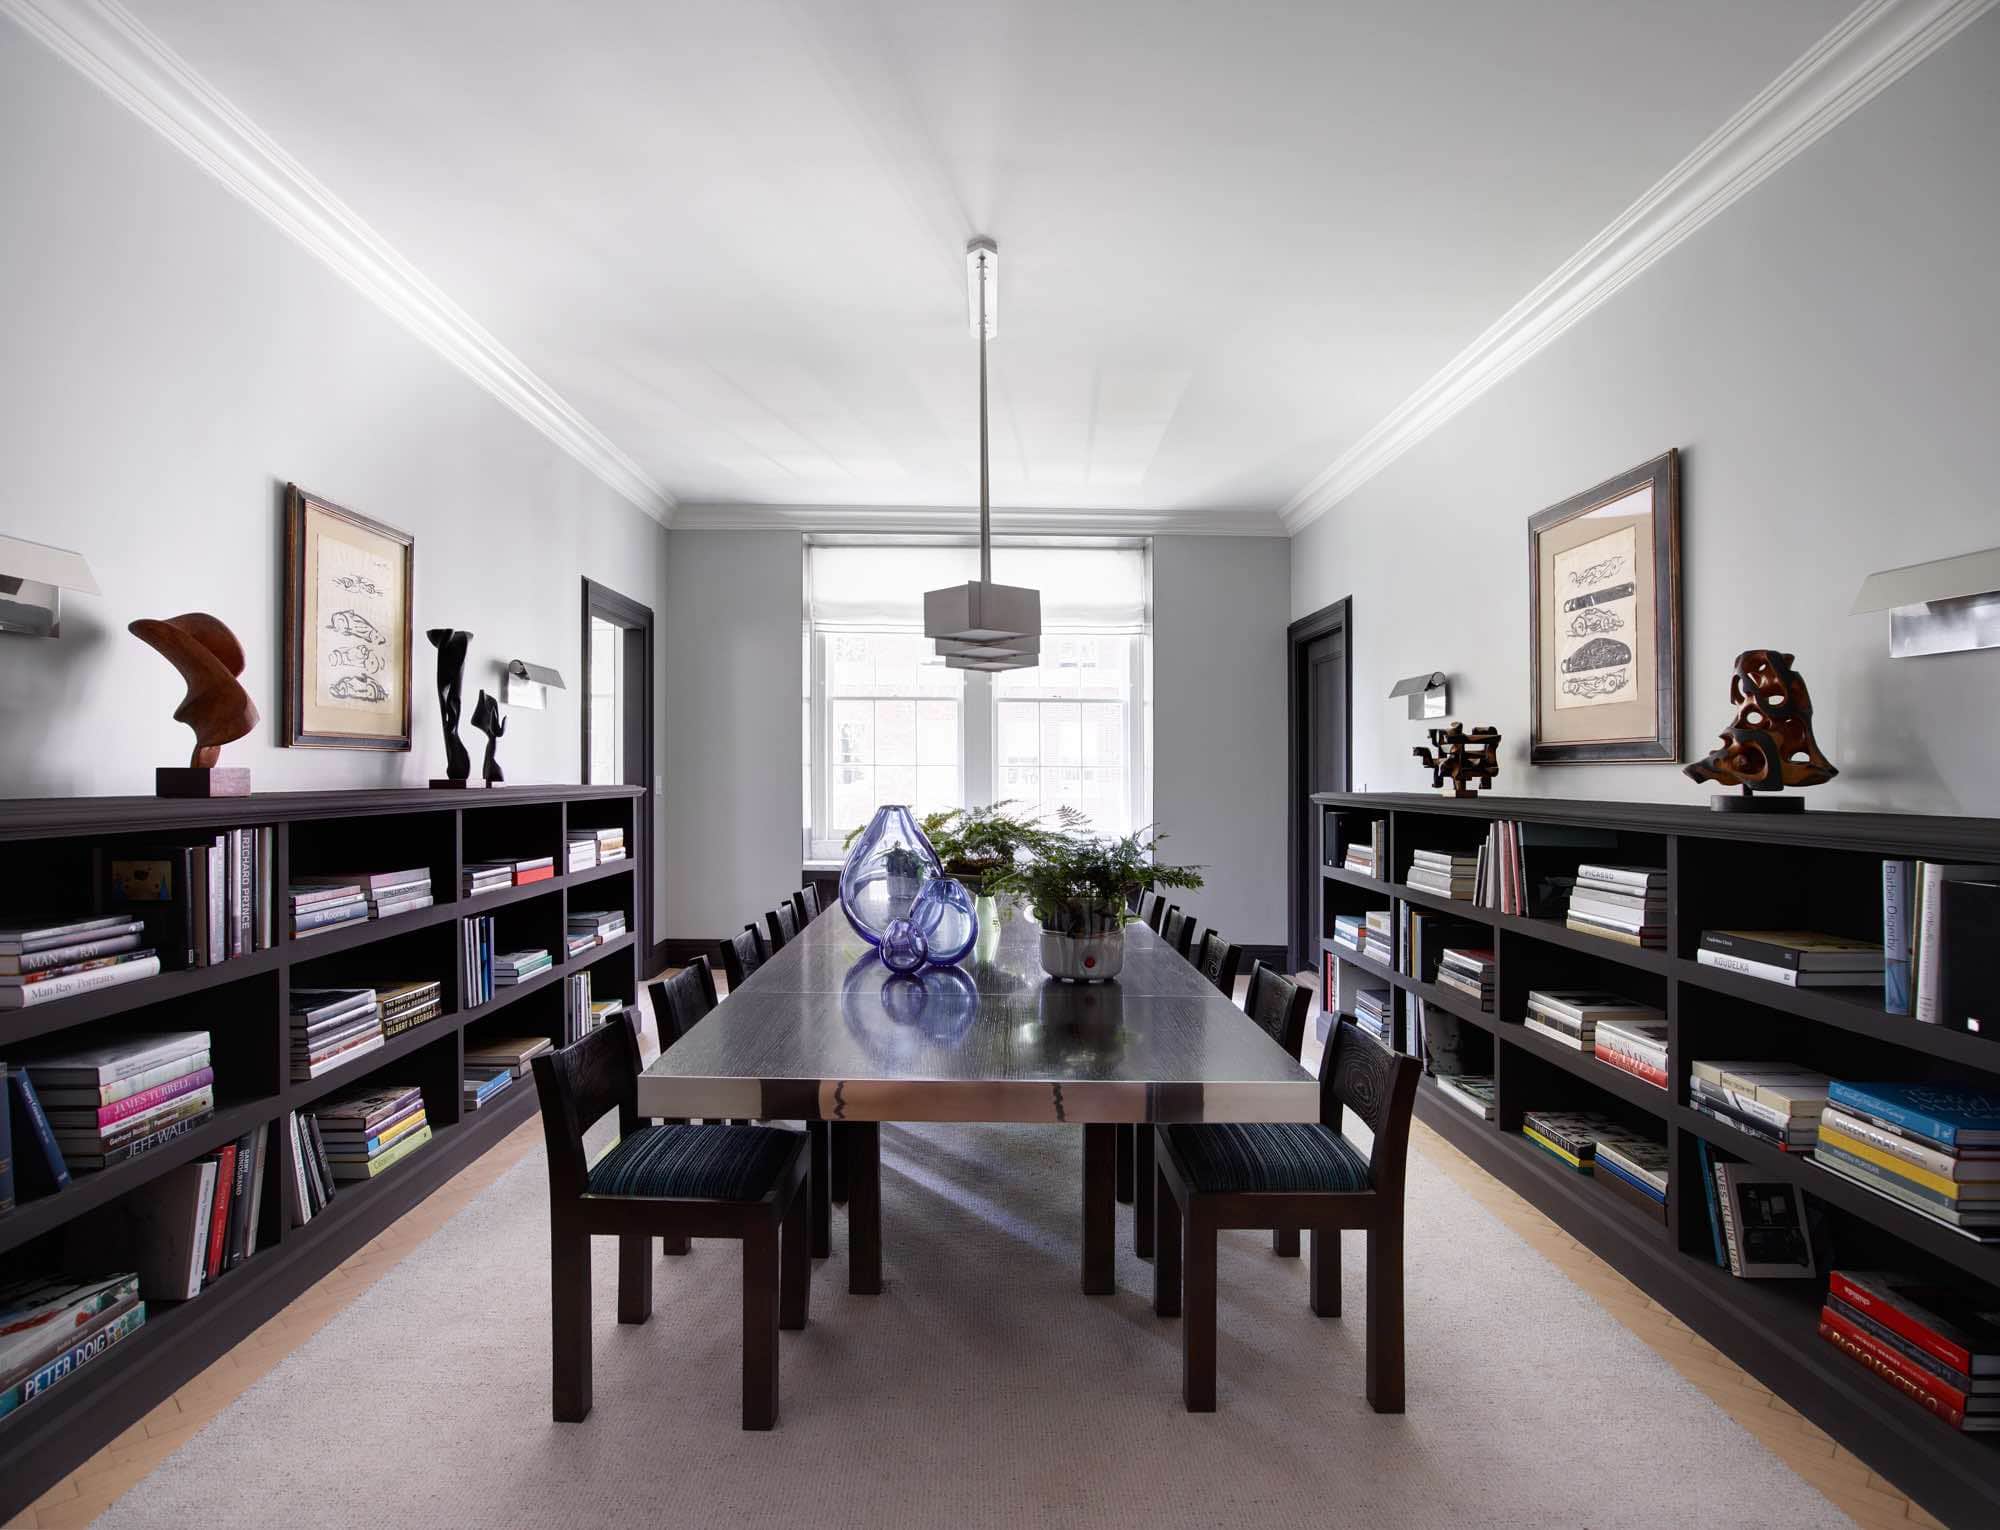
{"x": 782, "y": 923}
{"x": 1152, "y": 907}
{"x": 1217, "y": 960}
{"x": 805, "y": 902}
{"x": 675, "y": 1181}
{"x": 1211, "y": 1177}
{"x": 742, "y": 954}
{"x": 689, "y": 996}
{"x": 1177, "y": 930}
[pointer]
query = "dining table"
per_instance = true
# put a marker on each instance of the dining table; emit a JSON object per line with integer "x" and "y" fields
{"x": 823, "y": 1031}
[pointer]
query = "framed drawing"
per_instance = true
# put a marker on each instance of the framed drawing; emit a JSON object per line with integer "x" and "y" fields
{"x": 347, "y": 627}
{"x": 1604, "y": 621}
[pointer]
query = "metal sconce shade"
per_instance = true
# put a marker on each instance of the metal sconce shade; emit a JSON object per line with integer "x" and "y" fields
{"x": 539, "y": 673}
{"x": 1430, "y": 695}
{"x": 526, "y": 684}
{"x": 980, "y": 611}
{"x": 1951, "y": 605}
{"x": 32, "y": 579}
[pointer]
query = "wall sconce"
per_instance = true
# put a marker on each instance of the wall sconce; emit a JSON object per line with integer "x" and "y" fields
{"x": 526, "y": 685}
{"x": 32, "y": 579}
{"x": 1430, "y": 695}
{"x": 1949, "y": 606}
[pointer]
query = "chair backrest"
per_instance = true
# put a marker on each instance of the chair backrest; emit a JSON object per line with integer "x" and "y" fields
{"x": 807, "y": 898}
{"x": 1218, "y": 961}
{"x": 1379, "y": 1085}
{"x": 682, "y": 1000}
{"x": 742, "y": 954}
{"x": 1278, "y": 1005}
{"x": 1152, "y": 908}
{"x": 577, "y": 1085}
{"x": 1177, "y": 930}
{"x": 783, "y": 924}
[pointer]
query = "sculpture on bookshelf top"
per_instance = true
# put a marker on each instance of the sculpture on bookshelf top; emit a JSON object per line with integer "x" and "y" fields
{"x": 487, "y": 719}
{"x": 1769, "y": 744}
{"x": 1468, "y": 760}
{"x": 216, "y": 706}
{"x": 451, "y": 645}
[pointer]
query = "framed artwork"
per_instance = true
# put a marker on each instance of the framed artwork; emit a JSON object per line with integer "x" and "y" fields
{"x": 1604, "y": 621}
{"x": 347, "y": 627}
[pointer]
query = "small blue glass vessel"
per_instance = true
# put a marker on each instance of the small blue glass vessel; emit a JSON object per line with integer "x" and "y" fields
{"x": 904, "y": 948}
{"x": 885, "y": 871}
{"x": 946, "y": 917}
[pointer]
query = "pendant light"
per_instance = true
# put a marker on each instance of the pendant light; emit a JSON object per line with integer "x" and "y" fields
{"x": 980, "y": 624}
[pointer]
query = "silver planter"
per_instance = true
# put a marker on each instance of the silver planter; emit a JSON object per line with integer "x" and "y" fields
{"x": 1094, "y": 958}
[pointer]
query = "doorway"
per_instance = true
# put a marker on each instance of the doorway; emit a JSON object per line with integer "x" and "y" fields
{"x": 618, "y": 725}
{"x": 1319, "y": 746}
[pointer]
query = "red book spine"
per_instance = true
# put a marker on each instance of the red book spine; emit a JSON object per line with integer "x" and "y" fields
{"x": 539, "y": 874}
{"x": 146, "y": 1099}
{"x": 1625, "y": 1062}
{"x": 1954, "y": 1355}
{"x": 218, "y": 1222}
{"x": 1947, "y": 1402}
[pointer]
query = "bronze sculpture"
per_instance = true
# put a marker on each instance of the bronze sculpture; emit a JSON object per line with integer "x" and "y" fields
{"x": 216, "y": 706}
{"x": 1467, "y": 760}
{"x": 451, "y": 645}
{"x": 487, "y": 719}
{"x": 1769, "y": 744}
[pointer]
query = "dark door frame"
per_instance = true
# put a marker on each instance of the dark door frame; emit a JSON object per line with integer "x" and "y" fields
{"x": 1299, "y": 636}
{"x": 637, "y": 622}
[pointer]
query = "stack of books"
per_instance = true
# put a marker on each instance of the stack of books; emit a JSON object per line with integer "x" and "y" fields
{"x": 514, "y": 1053}
{"x": 486, "y": 876}
{"x": 1570, "y": 1015}
{"x": 123, "y": 1098}
{"x": 475, "y": 961}
{"x": 1468, "y": 970}
{"x": 1634, "y": 1169}
{"x": 582, "y": 851}
{"x": 1796, "y": 958}
{"x": 1930, "y": 1147}
{"x": 1370, "y": 857}
{"x": 1378, "y": 939}
{"x": 511, "y": 967}
{"x": 40, "y": 962}
{"x": 537, "y": 868}
{"x": 604, "y": 1011}
{"x": 1374, "y": 1009}
{"x": 407, "y": 1005}
{"x": 1935, "y": 1346}
{"x": 202, "y": 903}
{"x": 1941, "y": 963}
{"x": 332, "y": 1027}
{"x": 1634, "y": 1046}
{"x": 312, "y": 1175}
{"x": 594, "y": 928}
{"x": 51, "y": 1326}
{"x": 199, "y": 1221}
{"x": 610, "y": 845}
{"x": 326, "y": 907}
{"x": 1627, "y": 904}
{"x": 1775, "y": 1102}
{"x": 384, "y": 892}
{"x": 483, "y": 1081}
{"x": 1444, "y": 872}
{"x": 365, "y": 1132}
{"x": 1569, "y": 1136}
{"x": 1349, "y": 931}
{"x": 1474, "y": 1091}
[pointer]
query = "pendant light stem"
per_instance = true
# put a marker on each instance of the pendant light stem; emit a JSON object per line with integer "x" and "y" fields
{"x": 985, "y": 489}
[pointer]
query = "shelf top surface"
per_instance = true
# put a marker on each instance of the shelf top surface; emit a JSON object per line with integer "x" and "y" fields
{"x": 30, "y": 817}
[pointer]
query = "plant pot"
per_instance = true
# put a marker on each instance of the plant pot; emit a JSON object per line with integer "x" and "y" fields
{"x": 1093, "y": 958}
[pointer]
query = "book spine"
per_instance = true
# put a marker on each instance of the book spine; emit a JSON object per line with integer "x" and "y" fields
{"x": 1627, "y": 1060}
{"x": 1912, "y": 1380}
{"x": 301, "y": 1208}
{"x": 246, "y": 891}
{"x": 204, "y": 1209}
{"x": 218, "y": 902}
{"x": 79, "y": 1355}
{"x": 1728, "y": 1219}
{"x": 64, "y": 956}
{"x": 78, "y": 982}
{"x": 142, "y": 1145}
{"x": 312, "y": 919}
{"x": 54, "y": 1169}
{"x": 1943, "y": 1185}
{"x": 159, "y": 1094}
{"x": 1855, "y": 1101}
{"x": 218, "y": 1216}
{"x": 239, "y": 1204}
{"x": 1908, "y": 1149}
{"x": 1896, "y": 936}
{"x": 1930, "y": 922}
{"x": 1725, "y": 962}
{"x": 1891, "y": 1316}
{"x": 1903, "y": 1187}
{"x": 1957, "y": 1380}
{"x": 232, "y": 881}
{"x": 1708, "y": 1182}
{"x": 320, "y": 1160}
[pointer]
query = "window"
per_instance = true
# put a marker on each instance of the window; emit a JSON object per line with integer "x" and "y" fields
{"x": 605, "y": 761}
{"x": 888, "y": 721}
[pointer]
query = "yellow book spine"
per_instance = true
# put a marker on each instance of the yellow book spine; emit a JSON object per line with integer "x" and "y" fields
{"x": 1902, "y": 1168}
{"x": 1566, "y": 1156}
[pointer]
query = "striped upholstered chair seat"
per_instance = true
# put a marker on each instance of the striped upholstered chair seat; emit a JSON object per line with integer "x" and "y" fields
{"x": 709, "y": 1163}
{"x": 1284, "y": 1158}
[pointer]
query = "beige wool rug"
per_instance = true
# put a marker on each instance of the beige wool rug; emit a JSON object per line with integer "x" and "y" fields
{"x": 981, "y": 1389}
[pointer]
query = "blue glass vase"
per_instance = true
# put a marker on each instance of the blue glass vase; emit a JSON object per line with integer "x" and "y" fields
{"x": 945, "y": 916}
{"x": 885, "y": 871}
{"x": 904, "y": 948}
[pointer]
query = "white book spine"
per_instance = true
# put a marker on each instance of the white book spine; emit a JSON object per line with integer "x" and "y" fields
{"x": 30, "y": 994}
{"x": 198, "y": 1255}
{"x": 1929, "y": 938}
{"x": 1763, "y": 970}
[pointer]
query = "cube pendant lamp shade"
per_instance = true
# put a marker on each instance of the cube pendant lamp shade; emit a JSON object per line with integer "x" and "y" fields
{"x": 980, "y": 611}
{"x": 993, "y": 665}
{"x": 995, "y": 648}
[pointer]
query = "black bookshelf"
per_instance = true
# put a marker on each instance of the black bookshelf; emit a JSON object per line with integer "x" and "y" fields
{"x": 48, "y": 854}
{"x": 1818, "y": 870}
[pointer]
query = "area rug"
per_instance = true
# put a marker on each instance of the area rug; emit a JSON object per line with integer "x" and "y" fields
{"x": 982, "y": 1388}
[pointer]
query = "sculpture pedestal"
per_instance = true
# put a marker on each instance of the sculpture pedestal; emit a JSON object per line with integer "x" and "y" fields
{"x": 201, "y": 781}
{"x": 457, "y": 785}
{"x": 1762, "y": 802}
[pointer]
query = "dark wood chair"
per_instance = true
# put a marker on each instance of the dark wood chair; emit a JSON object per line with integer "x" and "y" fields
{"x": 1218, "y": 960}
{"x": 1212, "y": 1177}
{"x": 742, "y": 954}
{"x": 1177, "y": 930}
{"x": 1152, "y": 908}
{"x": 675, "y": 1181}
{"x": 781, "y": 924}
{"x": 688, "y": 996}
{"x": 805, "y": 903}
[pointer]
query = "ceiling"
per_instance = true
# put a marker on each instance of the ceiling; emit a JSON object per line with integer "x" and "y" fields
{"x": 1233, "y": 236}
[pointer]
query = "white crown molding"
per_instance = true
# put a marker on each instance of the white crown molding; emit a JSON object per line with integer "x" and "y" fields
{"x": 925, "y": 519}
{"x": 110, "y": 47}
{"x": 1870, "y": 50}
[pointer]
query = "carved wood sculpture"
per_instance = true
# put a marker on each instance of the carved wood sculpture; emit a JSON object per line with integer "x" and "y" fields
{"x": 216, "y": 706}
{"x": 1769, "y": 745}
{"x": 451, "y": 645}
{"x": 487, "y": 719}
{"x": 1468, "y": 760}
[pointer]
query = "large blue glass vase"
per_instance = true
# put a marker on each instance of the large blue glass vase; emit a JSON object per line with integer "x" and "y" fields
{"x": 885, "y": 871}
{"x": 943, "y": 914}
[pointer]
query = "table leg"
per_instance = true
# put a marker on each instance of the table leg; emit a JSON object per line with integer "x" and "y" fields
{"x": 1125, "y": 1155}
{"x": 864, "y": 1207}
{"x": 820, "y": 1135}
{"x": 1100, "y": 1214}
{"x": 1143, "y": 1171}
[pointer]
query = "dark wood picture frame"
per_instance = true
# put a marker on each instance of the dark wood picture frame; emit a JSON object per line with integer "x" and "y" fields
{"x": 1662, "y": 745}
{"x": 298, "y": 505}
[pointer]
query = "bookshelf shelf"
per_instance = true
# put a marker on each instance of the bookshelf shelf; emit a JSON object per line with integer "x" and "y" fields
{"x": 1816, "y": 870}
{"x": 243, "y": 1002}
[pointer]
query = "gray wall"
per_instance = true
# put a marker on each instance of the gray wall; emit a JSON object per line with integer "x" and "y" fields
{"x": 170, "y": 360}
{"x": 1827, "y": 356}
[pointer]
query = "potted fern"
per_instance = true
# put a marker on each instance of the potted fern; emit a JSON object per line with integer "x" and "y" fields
{"x": 1081, "y": 887}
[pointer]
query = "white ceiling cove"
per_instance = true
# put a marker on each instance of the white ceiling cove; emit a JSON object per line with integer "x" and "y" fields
{"x": 1234, "y": 238}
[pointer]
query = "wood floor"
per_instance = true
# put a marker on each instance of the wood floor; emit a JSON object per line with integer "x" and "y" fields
{"x": 1841, "y": 1476}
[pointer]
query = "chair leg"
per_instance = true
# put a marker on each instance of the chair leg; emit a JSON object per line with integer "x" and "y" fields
{"x": 1100, "y": 1213}
{"x": 1143, "y": 1207}
{"x": 569, "y": 1281}
{"x": 675, "y": 1243}
{"x": 864, "y": 1206}
{"x": 1385, "y": 1318}
{"x": 819, "y": 1144}
{"x": 1167, "y": 1249}
{"x": 1127, "y": 1152}
{"x": 1285, "y": 1242}
{"x": 1198, "y": 1314}
{"x": 635, "y": 1277}
{"x": 1323, "y": 1272}
{"x": 837, "y": 1181}
{"x": 760, "y": 1325}
{"x": 796, "y": 1261}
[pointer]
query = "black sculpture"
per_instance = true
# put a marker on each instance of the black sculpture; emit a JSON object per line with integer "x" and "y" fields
{"x": 451, "y": 645}
{"x": 487, "y": 719}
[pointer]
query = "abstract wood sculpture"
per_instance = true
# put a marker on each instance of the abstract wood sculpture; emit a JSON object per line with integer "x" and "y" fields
{"x": 451, "y": 645}
{"x": 216, "y": 707}
{"x": 1769, "y": 745}
{"x": 1467, "y": 760}
{"x": 487, "y": 719}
